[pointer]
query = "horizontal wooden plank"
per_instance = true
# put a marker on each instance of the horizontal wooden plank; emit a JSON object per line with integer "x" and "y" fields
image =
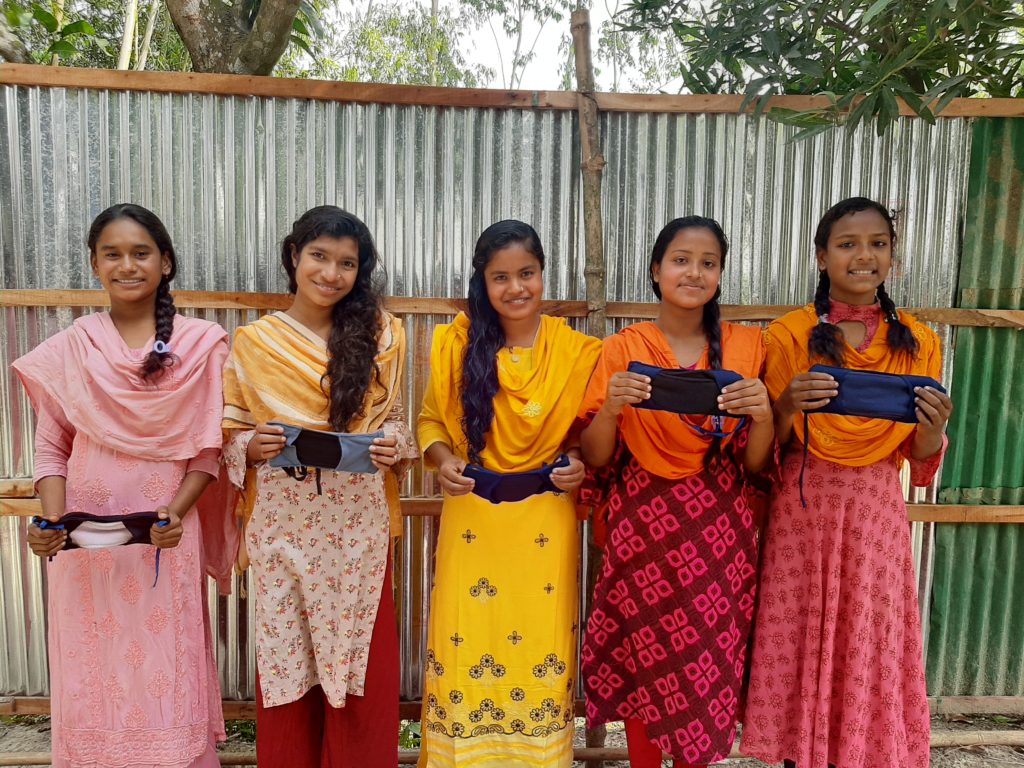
{"x": 330, "y": 90}
{"x": 436, "y": 305}
{"x": 431, "y": 507}
{"x": 281, "y": 87}
{"x": 17, "y": 488}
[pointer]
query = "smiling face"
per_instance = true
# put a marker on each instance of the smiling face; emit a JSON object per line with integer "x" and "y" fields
{"x": 325, "y": 270}
{"x": 128, "y": 262}
{"x": 515, "y": 282}
{"x": 690, "y": 270}
{"x": 858, "y": 256}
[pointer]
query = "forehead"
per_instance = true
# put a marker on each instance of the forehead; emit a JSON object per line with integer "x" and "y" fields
{"x": 124, "y": 231}
{"x": 869, "y": 222}
{"x": 511, "y": 258}
{"x": 695, "y": 240}
{"x": 333, "y": 246}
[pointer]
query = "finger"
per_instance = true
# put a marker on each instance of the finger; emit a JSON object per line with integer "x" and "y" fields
{"x": 814, "y": 376}
{"x": 749, "y": 401}
{"x": 386, "y": 441}
{"x": 810, "y": 405}
{"x": 742, "y": 386}
{"x": 638, "y": 378}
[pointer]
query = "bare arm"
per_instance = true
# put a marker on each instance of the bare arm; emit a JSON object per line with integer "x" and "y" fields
{"x": 597, "y": 441}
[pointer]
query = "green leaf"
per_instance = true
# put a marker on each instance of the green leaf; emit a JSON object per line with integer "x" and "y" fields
{"x": 44, "y": 17}
{"x": 300, "y": 26}
{"x": 301, "y": 43}
{"x": 876, "y": 8}
{"x": 80, "y": 27}
{"x": 61, "y": 48}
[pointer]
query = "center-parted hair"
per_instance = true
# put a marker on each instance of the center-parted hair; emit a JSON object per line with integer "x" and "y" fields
{"x": 826, "y": 340}
{"x": 355, "y": 320}
{"x": 712, "y": 318}
{"x": 155, "y": 362}
{"x": 486, "y": 336}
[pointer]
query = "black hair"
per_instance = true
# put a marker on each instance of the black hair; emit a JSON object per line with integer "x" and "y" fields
{"x": 155, "y": 362}
{"x": 355, "y": 320}
{"x": 826, "y": 340}
{"x": 712, "y": 317}
{"x": 486, "y": 335}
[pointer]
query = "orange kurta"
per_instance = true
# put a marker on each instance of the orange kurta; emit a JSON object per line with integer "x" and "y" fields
{"x": 656, "y": 438}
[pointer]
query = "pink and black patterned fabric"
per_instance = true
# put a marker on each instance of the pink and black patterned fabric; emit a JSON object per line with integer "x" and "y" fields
{"x": 666, "y": 639}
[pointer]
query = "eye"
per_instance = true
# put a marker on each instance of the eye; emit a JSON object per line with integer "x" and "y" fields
{"x": 709, "y": 264}
{"x": 349, "y": 264}
{"x": 527, "y": 274}
{"x": 881, "y": 243}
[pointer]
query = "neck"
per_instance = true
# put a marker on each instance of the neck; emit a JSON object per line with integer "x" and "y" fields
{"x": 521, "y": 333}
{"x": 854, "y": 299}
{"x": 134, "y": 314}
{"x": 679, "y": 323}
{"x": 318, "y": 319}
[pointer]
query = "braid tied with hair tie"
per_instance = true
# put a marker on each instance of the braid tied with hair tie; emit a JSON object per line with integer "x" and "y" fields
{"x": 155, "y": 362}
{"x": 712, "y": 315}
{"x": 899, "y": 336}
{"x": 826, "y": 340}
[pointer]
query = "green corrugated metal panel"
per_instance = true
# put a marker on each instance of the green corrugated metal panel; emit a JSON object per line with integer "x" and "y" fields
{"x": 976, "y": 638}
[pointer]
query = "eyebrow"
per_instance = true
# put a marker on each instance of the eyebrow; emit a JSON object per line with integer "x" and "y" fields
{"x": 702, "y": 253}
{"x": 112, "y": 246}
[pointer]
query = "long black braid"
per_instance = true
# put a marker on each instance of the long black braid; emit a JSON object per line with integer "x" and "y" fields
{"x": 155, "y": 363}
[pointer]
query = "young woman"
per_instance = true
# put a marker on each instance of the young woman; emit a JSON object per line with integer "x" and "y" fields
{"x": 505, "y": 384}
{"x": 326, "y": 642}
{"x": 667, "y": 634}
{"x": 128, "y": 406}
{"x": 837, "y": 672}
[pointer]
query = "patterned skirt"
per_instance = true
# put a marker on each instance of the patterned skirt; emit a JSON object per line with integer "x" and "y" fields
{"x": 667, "y": 637}
{"x": 501, "y": 640}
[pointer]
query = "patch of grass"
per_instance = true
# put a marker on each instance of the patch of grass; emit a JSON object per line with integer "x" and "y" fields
{"x": 243, "y": 729}
{"x": 24, "y": 719}
{"x": 409, "y": 735}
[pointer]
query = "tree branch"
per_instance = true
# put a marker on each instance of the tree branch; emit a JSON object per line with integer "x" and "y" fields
{"x": 268, "y": 39}
{"x": 11, "y": 47}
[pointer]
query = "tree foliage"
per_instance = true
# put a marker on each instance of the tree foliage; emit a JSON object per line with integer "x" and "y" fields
{"x": 862, "y": 54}
{"x": 393, "y": 43}
{"x": 521, "y": 22}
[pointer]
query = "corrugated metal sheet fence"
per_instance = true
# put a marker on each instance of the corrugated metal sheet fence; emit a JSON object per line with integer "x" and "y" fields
{"x": 228, "y": 175}
{"x": 977, "y": 624}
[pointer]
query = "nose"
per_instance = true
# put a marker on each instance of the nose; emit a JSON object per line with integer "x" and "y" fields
{"x": 126, "y": 263}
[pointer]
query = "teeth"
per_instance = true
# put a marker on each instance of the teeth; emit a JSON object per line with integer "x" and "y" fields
{"x": 862, "y": 271}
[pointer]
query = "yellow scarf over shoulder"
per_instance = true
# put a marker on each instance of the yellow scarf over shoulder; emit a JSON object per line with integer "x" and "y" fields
{"x": 274, "y": 374}
{"x": 850, "y": 440}
{"x": 533, "y": 410}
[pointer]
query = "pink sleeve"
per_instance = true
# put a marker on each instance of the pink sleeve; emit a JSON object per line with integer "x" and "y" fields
{"x": 234, "y": 455}
{"x": 54, "y": 438}
{"x": 207, "y": 461}
{"x": 922, "y": 471}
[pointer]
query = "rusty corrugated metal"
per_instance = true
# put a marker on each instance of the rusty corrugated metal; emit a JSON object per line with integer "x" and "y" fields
{"x": 229, "y": 174}
{"x": 976, "y": 643}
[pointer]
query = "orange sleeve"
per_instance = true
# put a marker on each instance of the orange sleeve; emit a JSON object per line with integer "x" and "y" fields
{"x": 611, "y": 360}
{"x": 780, "y": 363}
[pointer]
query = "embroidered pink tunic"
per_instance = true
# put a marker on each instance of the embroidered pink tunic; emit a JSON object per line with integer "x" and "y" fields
{"x": 132, "y": 675}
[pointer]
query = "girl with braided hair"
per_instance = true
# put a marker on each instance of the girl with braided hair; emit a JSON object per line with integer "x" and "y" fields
{"x": 128, "y": 405}
{"x": 837, "y": 675}
{"x": 667, "y": 634}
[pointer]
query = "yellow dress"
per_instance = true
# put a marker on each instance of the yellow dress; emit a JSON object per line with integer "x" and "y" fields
{"x": 501, "y": 665}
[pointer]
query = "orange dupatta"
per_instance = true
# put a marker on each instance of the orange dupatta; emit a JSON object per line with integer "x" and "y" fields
{"x": 657, "y": 439}
{"x": 850, "y": 440}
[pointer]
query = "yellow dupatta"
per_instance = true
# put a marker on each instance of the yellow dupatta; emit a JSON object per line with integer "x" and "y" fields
{"x": 274, "y": 374}
{"x": 534, "y": 409}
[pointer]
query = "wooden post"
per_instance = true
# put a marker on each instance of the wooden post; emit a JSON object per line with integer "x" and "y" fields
{"x": 594, "y": 272}
{"x": 592, "y": 165}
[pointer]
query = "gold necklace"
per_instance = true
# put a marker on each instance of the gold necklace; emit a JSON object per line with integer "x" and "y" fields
{"x": 513, "y": 356}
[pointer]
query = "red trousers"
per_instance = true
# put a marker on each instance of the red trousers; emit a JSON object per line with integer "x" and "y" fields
{"x": 310, "y": 733}
{"x": 642, "y": 752}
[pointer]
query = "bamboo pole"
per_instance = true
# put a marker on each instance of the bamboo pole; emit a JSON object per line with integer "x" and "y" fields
{"x": 592, "y": 164}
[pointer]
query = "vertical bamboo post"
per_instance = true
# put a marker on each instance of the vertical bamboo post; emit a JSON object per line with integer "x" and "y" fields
{"x": 594, "y": 271}
{"x": 592, "y": 165}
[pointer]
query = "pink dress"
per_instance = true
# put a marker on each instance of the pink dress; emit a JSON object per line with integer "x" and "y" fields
{"x": 132, "y": 675}
{"x": 837, "y": 668}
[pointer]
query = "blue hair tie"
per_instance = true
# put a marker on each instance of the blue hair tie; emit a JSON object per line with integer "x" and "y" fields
{"x": 161, "y": 348}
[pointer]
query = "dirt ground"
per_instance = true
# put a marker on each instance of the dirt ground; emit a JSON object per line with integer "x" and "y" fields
{"x": 32, "y": 734}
